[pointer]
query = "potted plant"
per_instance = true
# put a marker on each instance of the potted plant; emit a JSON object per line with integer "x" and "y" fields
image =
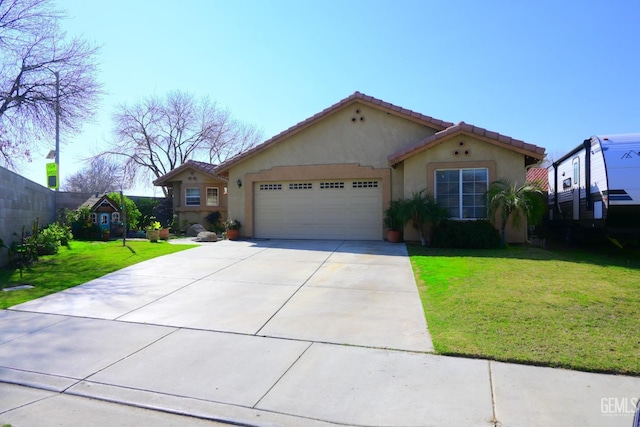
{"x": 394, "y": 220}
{"x": 164, "y": 233}
{"x": 153, "y": 231}
{"x": 233, "y": 229}
{"x": 106, "y": 234}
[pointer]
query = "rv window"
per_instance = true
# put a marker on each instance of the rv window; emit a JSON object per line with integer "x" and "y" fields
{"x": 566, "y": 183}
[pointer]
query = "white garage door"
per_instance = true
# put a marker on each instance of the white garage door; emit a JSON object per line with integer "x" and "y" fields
{"x": 336, "y": 209}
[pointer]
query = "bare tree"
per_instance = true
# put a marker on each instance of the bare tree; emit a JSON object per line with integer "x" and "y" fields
{"x": 34, "y": 53}
{"x": 99, "y": 177}
{"x": 156, "y": 135}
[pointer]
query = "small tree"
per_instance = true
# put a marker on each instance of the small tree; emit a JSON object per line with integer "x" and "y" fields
{"x": 507, "y": 201}
{"x": 131, "y": 210}
{"x": 423, "y": 211}
{"x": 44, "y": 76}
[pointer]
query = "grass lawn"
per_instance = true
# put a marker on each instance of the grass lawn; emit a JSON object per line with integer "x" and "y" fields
{"x": 81, "y": 262}
{"x": 566, "y": 308}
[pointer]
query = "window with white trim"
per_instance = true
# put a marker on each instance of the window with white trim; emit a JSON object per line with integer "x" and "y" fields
{"x": 94, "y": 218}
{"x": 115, "y": 216}
{"x": 212, "y": 196}
{"x": 463, "y": 192}
{"x": 192, "y": 196}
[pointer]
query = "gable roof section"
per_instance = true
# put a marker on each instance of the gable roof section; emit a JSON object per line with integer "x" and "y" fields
{"x": 532, "y": 152}
{"x": 94, "y": 202}
{"x": 206, "y": 168}
{"x": 352, "y": 99}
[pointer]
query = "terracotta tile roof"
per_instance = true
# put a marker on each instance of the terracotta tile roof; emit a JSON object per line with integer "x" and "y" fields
{"x": 540, "y": 176}
{"x": 517, "y": 145}
{"x": 353, "y": 98}
{"x": 208, "y": 168}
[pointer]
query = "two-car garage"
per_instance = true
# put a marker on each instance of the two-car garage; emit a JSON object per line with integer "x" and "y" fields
{"x": 318, "y": 209}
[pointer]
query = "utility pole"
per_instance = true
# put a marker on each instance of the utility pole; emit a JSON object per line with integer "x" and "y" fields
{"x": 57, "y": 74}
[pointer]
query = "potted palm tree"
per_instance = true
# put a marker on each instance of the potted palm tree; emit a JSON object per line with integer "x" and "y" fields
{"x": 509, "y": 202}
{"x": 394, "y": 220}
{"x": 233, "y": 229}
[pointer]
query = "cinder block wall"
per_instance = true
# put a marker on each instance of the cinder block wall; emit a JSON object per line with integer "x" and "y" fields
{"x": 21, "y": 202}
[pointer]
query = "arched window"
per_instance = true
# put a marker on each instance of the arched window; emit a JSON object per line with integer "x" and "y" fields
{"x": 115, "y": 217}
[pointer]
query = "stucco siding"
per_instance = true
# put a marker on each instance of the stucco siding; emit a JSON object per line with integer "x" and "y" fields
{"x": 357, "y": 135}
{"x": 500, "y": 162}
{"x": 192, "y": 178}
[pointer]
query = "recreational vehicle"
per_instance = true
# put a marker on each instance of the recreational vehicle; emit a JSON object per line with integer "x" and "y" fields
{"x": 596, "y": 186}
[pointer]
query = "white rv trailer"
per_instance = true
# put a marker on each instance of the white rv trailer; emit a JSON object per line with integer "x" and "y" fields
{"x": 597, "y": 186}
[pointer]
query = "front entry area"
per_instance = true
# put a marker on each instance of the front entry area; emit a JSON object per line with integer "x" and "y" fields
{"x": 319, "y": 209}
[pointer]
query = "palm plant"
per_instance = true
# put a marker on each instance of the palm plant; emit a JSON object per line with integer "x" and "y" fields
{"x": 423, "y": 211}
{"x": 511, "y": 202}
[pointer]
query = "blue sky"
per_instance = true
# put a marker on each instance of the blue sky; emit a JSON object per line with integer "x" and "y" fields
{"x": 551, "y": 73}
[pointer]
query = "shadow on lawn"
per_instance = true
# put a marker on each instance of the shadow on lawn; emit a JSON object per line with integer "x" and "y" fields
{"x": 602, "y": 255}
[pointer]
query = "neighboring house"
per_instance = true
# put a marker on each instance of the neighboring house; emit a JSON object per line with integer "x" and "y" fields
{"x": 332, "y": 175}
{"x": 197, "y": 191}
{"x": 105, "y": 213}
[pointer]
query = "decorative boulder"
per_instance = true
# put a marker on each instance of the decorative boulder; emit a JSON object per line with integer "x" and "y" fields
{"x": 207, "y": 236}
{"x": 195, "y": 229}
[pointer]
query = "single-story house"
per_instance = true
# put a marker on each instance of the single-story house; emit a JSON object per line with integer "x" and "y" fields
{"x": 197, "y": 191}
{"x": 105, "y": 212}
{"x": 332, "y": 175}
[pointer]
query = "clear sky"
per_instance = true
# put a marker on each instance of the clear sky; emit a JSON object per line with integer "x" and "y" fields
{"x": 551, "y": 73}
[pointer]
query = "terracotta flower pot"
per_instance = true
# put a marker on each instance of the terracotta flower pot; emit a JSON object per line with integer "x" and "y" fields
{"x": 164, "y": 233}
{"x": 394, "y": 236}
{"x": 233, "y": 234}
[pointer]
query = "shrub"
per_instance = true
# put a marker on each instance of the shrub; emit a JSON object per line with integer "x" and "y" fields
{"x": 49, "y": 239}
{"x": 465, "y": 234}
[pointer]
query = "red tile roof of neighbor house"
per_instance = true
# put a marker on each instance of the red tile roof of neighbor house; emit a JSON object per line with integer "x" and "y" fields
{"x": 207, "y": 168}
{"x": 462, "y": 128}
{"x": 353, "y": 98}
{"x": 539, "y": 176}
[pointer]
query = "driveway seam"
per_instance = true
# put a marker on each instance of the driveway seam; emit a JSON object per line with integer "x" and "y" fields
{"x": 127, "y": 356}
{"x": 297, "y": 290}
{"x": 494, "y": 418}
{"x": 281, "y": 376}
{"x": 174, "y": 291}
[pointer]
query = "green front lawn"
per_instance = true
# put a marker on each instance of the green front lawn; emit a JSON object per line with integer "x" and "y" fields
{"x": 81, "y": 262}
{"x": 572, "y": 309}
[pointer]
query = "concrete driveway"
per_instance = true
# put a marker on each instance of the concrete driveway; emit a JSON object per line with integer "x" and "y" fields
{"x": 270, "y": 333}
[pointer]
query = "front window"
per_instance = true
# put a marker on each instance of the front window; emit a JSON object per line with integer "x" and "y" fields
{"x": 212, "y": 196}
{"x": 115, "y": 217}
{"x": 192, "y": 197}
{"x": 94, "y": 218}
{"x": 462, "y": 192}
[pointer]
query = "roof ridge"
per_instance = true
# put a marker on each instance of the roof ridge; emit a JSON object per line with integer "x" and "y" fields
{"x": 357, "y": 95}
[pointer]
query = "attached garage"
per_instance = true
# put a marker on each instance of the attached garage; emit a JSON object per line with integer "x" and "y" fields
{"x": 319, "y": 209}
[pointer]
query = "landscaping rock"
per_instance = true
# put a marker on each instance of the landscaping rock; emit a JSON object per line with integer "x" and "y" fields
{"x": 195, "y": 229}
{"x": 207, "y": 236}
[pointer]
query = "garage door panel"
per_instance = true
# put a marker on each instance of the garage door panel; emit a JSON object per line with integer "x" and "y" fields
{"x": 319, "y": 210}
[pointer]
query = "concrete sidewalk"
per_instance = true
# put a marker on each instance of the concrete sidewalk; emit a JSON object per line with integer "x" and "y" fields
{"x": 270, "y": 333}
